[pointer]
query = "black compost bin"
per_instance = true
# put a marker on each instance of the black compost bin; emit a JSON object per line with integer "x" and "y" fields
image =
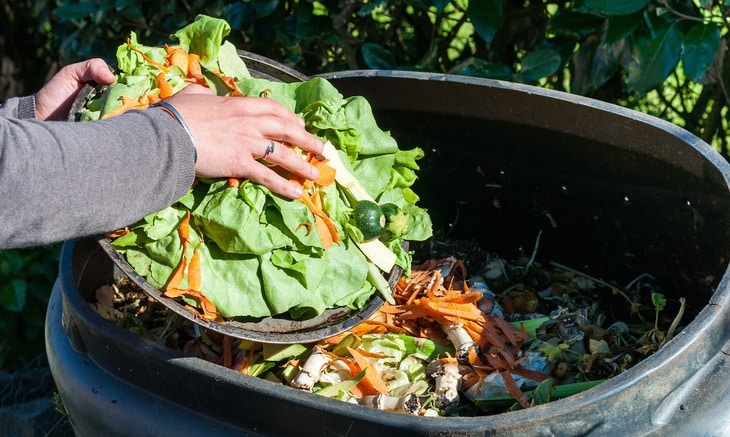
{"x": 614, "y": 192}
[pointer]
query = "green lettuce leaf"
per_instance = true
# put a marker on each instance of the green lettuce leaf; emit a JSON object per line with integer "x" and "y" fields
{"x": 204, "y": 37}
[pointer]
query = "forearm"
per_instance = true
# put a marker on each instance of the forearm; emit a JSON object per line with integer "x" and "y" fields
{"x": 63, "y": 180}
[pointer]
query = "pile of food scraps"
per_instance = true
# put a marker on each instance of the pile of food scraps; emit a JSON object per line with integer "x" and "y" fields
{"x": 513, "y": 335}
{"x": 232, "y": 249}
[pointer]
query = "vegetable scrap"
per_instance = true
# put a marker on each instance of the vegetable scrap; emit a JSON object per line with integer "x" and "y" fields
{"x": 232, "y": 250}
{"x": 511, "y": 335}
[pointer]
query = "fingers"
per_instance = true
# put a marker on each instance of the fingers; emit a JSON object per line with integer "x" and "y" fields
{"x": 283, "y": 156}
{"x": 96, "y": 70}
{"x": 273, "y": 181}
{"x": 247, "y": 137}
{"x": 54, "y": 99}
{"x": 92, "y": 70}
{"x": 274, "y": 121}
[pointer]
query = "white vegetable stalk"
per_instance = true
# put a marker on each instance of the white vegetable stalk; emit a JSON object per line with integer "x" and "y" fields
{"x": 408, "y": 404}
{"x": 448, "y": 382}
{"x": 462, "y": 341}
{"x": 310, "y": 372}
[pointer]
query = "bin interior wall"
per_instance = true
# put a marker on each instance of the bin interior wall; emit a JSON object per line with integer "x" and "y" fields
{"x": 614, "y": 203}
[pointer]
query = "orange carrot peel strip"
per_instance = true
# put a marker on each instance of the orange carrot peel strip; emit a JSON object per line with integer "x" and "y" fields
{"x": 326, "y": 228}
{"x": 195, "y": 71}
{"x": 164, "y": 86}
{"x": 371, "y": 383}
{"x": 147, "y": 58}
{"x": 176, "y": 56}
{"x": 174, "y": 288}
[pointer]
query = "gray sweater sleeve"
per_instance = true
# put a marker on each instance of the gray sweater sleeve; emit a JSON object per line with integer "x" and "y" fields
{"x": 62, "y": 180}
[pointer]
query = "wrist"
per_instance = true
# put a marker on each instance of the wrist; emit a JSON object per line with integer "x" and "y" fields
{"x": 167, "y": 107}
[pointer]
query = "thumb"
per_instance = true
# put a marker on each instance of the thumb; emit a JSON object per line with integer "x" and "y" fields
{"x": 96, "y": 70}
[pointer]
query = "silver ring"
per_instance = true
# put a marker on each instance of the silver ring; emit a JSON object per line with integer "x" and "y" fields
{"x": 269, "y": 150}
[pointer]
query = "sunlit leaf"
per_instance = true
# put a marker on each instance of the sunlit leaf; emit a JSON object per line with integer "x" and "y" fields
{"x": 530, "y": 325}
{"x": 486, "y": 16}
{"x": 540, "y": 63}
{"x": 654, "y": 58}
{"x": 615, "y": 7}
{"x": 700, "y": 46}
{"x": 553, "y": 352}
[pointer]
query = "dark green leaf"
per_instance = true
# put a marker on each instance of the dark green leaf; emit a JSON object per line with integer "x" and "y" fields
{"x": 264, "y": 8}
{"x": 659, "y": 301}
{"x": 621, "y": 26}
{"x": 486, "y": 16}
{"x": 377, "y": 56}
{"x": 481, "y": 68}
{"x": 237, "y": 15}
{"x": 654, "y": 58}
{"x": 11, "y": 262}
{"x": 575, "y": 24}
{"x": 540, "y": 63}
{"x": 543, "y": 392}
{"x": 440, "y": 4}
{"x": 75, "y": 12}
{"x": 616, "y": 7}
{"x": 700, "y": 47}
{"x": 12, "y": 295}
{"x": 595, "y": 63}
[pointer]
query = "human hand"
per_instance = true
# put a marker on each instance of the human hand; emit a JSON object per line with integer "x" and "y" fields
{"x": 234, "y": 134}
{"x": 54, "y": 99}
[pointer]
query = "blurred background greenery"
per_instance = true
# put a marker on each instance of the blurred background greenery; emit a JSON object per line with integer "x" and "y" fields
{"x": 662, "y": 57}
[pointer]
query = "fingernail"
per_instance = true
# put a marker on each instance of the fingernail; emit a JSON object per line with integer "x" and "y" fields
{"x": 301, "y": 122}
{"x": 315, "y": 173}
